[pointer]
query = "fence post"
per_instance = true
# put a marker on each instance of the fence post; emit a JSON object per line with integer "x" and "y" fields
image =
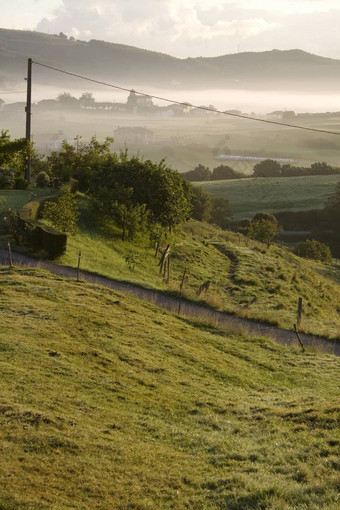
{"x": 299, "y": 312}
{"x": 78, "y": 267}
{"x": 10, "y": 254}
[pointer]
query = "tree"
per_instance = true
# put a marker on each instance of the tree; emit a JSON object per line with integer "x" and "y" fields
{"x": 62, "y": 214}
{"x": 81, "y": 160}
{"x": 166, "y": 195}
{"x": 264, "y": 216}
{"x": 131, "y": 219}
{"x": 200, "y": 173}
{"x": 86, "y": 99}
{"x": 267, "y": 168}
{"x": 224, "y": 172}
{"x": 201, "y": 204}
{"x": 13, "y": 157}
{"x": 263, "y": 227}
{"x": 68, "y": 101}
{"x": 220, "y": 212}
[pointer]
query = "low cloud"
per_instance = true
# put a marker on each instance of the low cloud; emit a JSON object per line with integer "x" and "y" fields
{"x": 196, "y": 27}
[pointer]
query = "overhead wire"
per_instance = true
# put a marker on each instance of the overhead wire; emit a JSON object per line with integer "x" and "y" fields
{"x": 184, "y": 103}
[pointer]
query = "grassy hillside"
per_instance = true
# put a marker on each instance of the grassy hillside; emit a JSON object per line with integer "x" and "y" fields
{"x": 106, "y": 402}
{"x": 249, "y": 196}
{"x": 246, "y": 278}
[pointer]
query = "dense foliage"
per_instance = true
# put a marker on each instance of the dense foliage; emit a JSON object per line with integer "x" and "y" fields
{"x": 63, "y": 213}
{"x": 272, "y": 168}
{"x": 207, "y": 207}
{"x": 263, "y": 227}
{"x": 13, "y": 157}
{"x": 265, "y": 168}
{"x": 312, "y": 249}
{"x": 202, "y": 173}
{"x": 166, "y": 196}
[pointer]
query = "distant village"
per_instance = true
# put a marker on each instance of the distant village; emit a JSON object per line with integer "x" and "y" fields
{"x": 137, "y": 104}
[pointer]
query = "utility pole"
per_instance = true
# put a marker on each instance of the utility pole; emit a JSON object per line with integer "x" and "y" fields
{"x": 28, "y": 110}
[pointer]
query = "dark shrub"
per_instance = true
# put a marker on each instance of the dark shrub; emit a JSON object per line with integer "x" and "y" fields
{"x": 42, "y": 180}
{"x": 315, "y": 250}
{"x": 21, "y": 183}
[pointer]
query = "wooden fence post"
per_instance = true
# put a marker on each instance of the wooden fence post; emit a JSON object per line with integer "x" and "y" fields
{"x": 10, "y": 254}
{"x": 299, "y": 312}
{"x": 78, "y": 267}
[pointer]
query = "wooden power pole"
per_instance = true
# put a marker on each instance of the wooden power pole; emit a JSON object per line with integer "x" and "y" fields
{"x": 28, "y": 110}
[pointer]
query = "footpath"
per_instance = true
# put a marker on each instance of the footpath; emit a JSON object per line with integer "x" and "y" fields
{"x": 176, "y": 305}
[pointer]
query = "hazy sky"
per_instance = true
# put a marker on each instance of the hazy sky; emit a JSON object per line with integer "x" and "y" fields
{"x": 187, "y": 27}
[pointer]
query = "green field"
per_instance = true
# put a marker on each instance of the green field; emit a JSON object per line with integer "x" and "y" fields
{"x": 249, "y": 196}
{"x": 108, "y": 403}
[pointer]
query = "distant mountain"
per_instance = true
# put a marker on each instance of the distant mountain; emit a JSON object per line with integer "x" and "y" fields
{"x": 133, "y": 67}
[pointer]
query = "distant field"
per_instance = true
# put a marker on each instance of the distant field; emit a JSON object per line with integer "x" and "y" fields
{"x": 186, "y": 142}
{"x": 248, "y": 196}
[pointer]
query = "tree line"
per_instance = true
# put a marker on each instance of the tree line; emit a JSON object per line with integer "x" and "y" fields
{"x": 266, "y": 168}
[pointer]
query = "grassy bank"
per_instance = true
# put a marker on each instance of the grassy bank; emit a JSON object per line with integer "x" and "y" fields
{"x": 245, "y": 277}
{"x": 106, "y": 402}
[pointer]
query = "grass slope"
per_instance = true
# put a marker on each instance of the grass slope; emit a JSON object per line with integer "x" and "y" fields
{"x": 106, "y": 402}
{"x": 246, "y": 278}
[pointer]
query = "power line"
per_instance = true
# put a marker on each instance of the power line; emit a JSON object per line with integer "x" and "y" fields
{"x": 14, "y": 92}
{"x": 206, "y": 108}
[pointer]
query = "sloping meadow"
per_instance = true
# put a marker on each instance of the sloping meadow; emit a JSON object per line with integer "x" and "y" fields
{"x": 107, "y": 402}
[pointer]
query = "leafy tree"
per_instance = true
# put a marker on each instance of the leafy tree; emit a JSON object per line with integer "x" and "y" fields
{"x": 225, "y": 172}
{"x": 87, "y": 99}
{"x": 312, "y": 249}
{"x": 13, "y": 153}
{"x": 220, "y": 212}
{"x": 81, "y": 160}
{"x": 321, "y": 168}
{"x": 264, "y": 216}
{"x": 131, "y": 219}
{"x": 201, "y": 204}
{"x": 166, "y": 195}
{"x": 117, "y": 204}
{"x": 63, "y": 214}
{"x": 200, "y": 173}
{"x": 264, "y": 227}
{"x": 267, "y": 168}
{"x": 68, "y": 101}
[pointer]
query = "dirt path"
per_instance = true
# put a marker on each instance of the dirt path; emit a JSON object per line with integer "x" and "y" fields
{"x": 173, "y": 304}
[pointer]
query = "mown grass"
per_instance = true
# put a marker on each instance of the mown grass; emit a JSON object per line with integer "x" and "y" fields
{"x": 107, "y": 402}
{"x": 17, "y": 198}
{"x": 246, "y": 278}
{"x": 249, "y": 196}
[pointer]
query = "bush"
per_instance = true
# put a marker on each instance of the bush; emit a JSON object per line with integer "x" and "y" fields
{"x": 42, "y": 180}
{"x": 7, "y": 180}
{"x": 21, "y": 183}
{"x": 314, "y": 250}
{"x": 63, "y": 214}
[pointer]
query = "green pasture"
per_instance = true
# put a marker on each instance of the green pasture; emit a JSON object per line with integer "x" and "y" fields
{"x": 249, "y": 196}
{"x": 107, "y": 402}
